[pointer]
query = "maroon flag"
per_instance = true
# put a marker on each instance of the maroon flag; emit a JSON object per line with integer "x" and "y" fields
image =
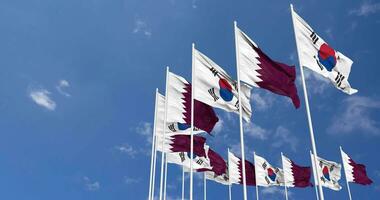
{"x": 295, "y": 175}
{"x": 235, "y": 169}
{"x": 259, "y": 70}
{"x": 355, "y": 172}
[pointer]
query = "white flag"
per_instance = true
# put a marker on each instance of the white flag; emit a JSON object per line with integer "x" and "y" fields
{"x": 217, "y": 89}
{"x": 317, "y": 55}
{"x": 329, "y": 173}
{"x": 183, "y": 159}
{"x": 266, "y": 174}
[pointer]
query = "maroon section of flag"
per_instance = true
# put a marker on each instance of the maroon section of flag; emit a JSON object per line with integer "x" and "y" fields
{"x": 277, "y": 77}
{"x": 181, "y": 143}
{"x": 218, "y": 164}
{"x": 301, "y": 175}
{"x": 250, "y": 176}
{"x": 360, "y": 173}
{"x": 204, "y": 115}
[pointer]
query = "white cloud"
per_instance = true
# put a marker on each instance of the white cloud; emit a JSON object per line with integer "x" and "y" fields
{"x": 129, "y": 180}
{"x": 366, "y": 8}
{"x": 145, "y": 129}
{"x": 91, "y": 185}
{"x": 127, "y": 149}
{"x": 62, "y": 84}
{"x": 316, "y": 84}
{"x": 218, "y": 126}
{"x": 274, "y": 191}
{"x": 262, "y": 100}
{"x": 256, "y": 131}
{"x": 141, "y": 27}
{"x": 41, "y": 97}
{"x": 283, "y": 137}
{"x": 355, "y": 115}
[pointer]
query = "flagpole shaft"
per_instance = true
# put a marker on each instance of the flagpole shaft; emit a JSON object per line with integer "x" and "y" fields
{"x": 344, "y": 170}
{"x": 240, "y": 117}
{"x": 192, "y": 122}
{"x": 229, "y": 177}
{"x": 286, "y": 190}
{"x": 314, "y": 177}
{"x": 153, "y": 148}
{"x": 154, "y": 168}
{"x": 204, "y": 186}
{"x": 307, "y": 109}
{"x": 166, "y": 176}
{"x": 183, "y": 183}
{"x": 257, "y": 187}
{"x": 164, "y": 130}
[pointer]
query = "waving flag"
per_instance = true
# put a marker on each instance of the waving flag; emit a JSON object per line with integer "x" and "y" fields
{"x": 181, "y": 143}
{"x": 217, "y": 89}
{"x": 179, "y": 107}
{"x": 235, "y": 170}
{"x": 329, "y": 173}
{"x": 354, "y": 172}
{"x": 183, "y": 159}
{"x": 222, "y": 179}
{"x": 315, "y": 54}
{"x": 266, "y": 174}
{"x": 259, "y": 70}
{"x": 295, "y": 175}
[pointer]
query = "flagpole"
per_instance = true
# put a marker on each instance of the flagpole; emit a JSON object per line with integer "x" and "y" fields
{"x": 166, "y": 175}
{"x": 307, "y": 108}
{"x": 314, "y": 176}
{"x": 229, "y": 176}
{"x": 164, "y": 130}
{"x": 192, "y": 122}
{"x": 154, "y": 167}
{"x": 348, "y": 185}
{"x": 183, "y": 183}
{"x": 286, "y": 190}
{"x": 257, "y": 187}
{"x": 204, "y": 186}
{"x": 153, "y": 147}
{"x": 240, "y": 116}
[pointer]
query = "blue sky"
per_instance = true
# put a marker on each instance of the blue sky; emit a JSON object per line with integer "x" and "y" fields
{"x": 78, "y": 78}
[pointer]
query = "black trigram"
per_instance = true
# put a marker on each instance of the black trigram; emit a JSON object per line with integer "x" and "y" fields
{"x": 172, "y": 128}
{"x": 212, "y": 93}
{"x": 264, "y": 165}
{"x": 182, "y": 156}
{"x": 339, "y": 79}
{"x": 199, "y": 162}
{"x": 314, "y": 37}
{"x": 214, "y": 71}
{"x": 267, "y": 180}
{"x": 237, "y": 105}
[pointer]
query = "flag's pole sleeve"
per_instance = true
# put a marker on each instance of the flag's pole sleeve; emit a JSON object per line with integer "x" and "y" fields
{"x": 153, "y": 146}
{"x": 285, "y": 186}
{"x": 166, "y": 175}
{"x": 240, "y": 115}
{"x": 164, "y": 130}
{"x": 314, "y": 176}
{"x": 183, "y": 182}
{"x": 229, "y": 174}
{"x": 344, "y": 170}
{"x": 192, "y": 121}
{"x": 257, "y": 187}
{"x": 307, "y": 106}
{"x": 204, "y": 186}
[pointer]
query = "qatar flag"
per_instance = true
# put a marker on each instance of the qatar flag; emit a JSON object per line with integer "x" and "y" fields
{"x": 266, "y": 174}
{"x": 181, "y": 143}
{"x": 235, "y": 170}
{"x": 259, "y": 70}
{"x": 179, "y": 107}
{"x": 315, "y": 54}
{"x": 214, "y": 87}
{"x": 354, "y": 172}
{"x": 295, "y": 175}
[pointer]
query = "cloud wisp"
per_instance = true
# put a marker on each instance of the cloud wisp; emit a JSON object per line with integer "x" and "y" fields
{"x": 91, "y": 185}
{"x": 62, "y": 85}
{"x": 141, "y": 27}
{"x": 42, "y": 98}
{"x": 366, "y": 8}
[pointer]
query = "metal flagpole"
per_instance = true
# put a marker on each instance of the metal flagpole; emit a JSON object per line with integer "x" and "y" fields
{"x": 166, "y": 175}
{"x": 204, "y": 186}
{"x": 314, "y": 176}
{"x": 192, "y": 122}
{"x": 286, "y": 190}
{"x": 183, "y": 183}
{"x": 151, "y": 185}
{"x": 348, "y": 185}
{"x": 154, "y": 168}
{"x": 240, "y": 116}
{"x": 229, "y": 176}
{"x": 307, "y": 108}
{"x": 163, "y": 139}
{"x": 257, "y": 187}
